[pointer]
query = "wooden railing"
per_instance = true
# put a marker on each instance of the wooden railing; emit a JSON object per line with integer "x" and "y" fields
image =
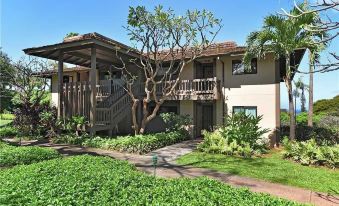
{"x": 192, "y": 89}
{"x": 76, "y": 99}
{"x": 113, "y": 114}
{"x": 198, "y": 86}
{"x": 107, "y": 87}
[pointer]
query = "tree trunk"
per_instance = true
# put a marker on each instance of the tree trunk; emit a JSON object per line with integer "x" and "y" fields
{"x": 288, "y": 82}
{"x": 291, "y": 108}
{"x": 144, "y": 118}
{"x": 147, "y": 118}
{"x": 295, "y": 108}
{"x": 310, "y": 95}
{"x": 134, "y": 117}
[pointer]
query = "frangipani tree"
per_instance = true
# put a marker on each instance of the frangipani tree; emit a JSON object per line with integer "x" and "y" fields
{"x": 166, "y": 43}
{"x": 282, "y": 35}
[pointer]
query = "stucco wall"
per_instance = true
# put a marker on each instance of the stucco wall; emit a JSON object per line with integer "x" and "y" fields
{"x": 258, "y": 90}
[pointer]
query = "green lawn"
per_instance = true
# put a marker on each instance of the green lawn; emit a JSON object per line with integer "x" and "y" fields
{"x": 4, "y": 122}
{"x": 271, "y": 168}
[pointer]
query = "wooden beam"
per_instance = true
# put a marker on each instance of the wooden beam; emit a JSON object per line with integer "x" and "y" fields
{"x": 85, "y": 56}
{"x": 93, "y": 79}
{"x": 60, "y": 84}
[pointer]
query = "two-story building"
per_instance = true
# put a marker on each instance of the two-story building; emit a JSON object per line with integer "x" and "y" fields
{"x": 214, "y": 85}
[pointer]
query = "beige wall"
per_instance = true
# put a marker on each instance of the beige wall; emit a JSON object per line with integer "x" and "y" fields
{"x": 260, "y": 90}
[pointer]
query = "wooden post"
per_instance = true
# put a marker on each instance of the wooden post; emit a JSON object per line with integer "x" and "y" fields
{"x": 93, "y": 79}
{"x": 60, "y": 84}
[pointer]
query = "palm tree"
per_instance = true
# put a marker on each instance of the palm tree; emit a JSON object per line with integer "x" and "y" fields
{"x": 296, "y": 95}
{"x": 282, "y": 36}
{"x": 300, "y": 85}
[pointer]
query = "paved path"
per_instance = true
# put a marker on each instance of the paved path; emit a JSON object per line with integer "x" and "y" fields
{"x": 169, "y": 169}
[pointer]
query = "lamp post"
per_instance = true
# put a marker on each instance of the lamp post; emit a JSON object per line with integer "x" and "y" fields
{"x": 154, "y": 161}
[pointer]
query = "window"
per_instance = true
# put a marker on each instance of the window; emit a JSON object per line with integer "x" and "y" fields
{"x": 239, "y": 68}
{"x": 251, "y": 110}
{"x": 67, "y": 79}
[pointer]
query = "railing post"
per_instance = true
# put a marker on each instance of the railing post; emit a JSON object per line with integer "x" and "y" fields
{"x": 60, "y": 84}
{"x": 93, "y": 78}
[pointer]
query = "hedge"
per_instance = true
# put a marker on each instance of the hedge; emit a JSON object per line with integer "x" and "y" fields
{"x": 13, "y": 155}
{"x": 89, "y": 180}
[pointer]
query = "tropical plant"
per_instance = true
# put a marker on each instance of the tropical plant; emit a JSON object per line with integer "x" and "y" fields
{"x": 244, "y": 128}
{"x": 310, "y": 153}
{"x": 71, "y": 34}
{"x": 282, "y": 36}
{"x": 75, "y": 124}
{"x": 300, "y": 85}
{"x": 241, "y": 135}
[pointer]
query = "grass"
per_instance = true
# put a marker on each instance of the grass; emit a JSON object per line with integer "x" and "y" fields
{"x": 272, "y": 167}
{"x": 89, "y": 180}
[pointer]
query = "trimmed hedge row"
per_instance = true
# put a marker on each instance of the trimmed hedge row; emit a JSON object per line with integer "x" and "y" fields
{"x": 12, "y": 155}
{"x": 132, "y": 144}
{"x": 88, "y": 180}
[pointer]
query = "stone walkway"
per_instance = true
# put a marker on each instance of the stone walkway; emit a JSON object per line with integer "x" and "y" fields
{"x": 169, "y": 169}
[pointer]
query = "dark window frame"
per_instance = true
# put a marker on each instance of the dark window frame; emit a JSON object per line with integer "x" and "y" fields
{"x": 253, "y": 70}
{"x": 244, "y": 108}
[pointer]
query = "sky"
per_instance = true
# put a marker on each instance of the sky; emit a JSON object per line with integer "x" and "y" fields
{"x": 25, "y": 24}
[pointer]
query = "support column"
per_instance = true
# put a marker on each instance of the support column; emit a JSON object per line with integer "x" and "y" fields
{"x": 93, "y": 79}
{"x": 60, "y": 85}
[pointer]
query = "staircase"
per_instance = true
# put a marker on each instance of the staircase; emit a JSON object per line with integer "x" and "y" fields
{"x": 112, "y": 109}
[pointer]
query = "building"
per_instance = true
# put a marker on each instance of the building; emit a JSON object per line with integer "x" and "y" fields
{"x": 214, "y": 85}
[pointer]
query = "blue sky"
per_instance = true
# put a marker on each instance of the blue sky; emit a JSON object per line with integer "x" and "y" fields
{"x": 39, "y": 22}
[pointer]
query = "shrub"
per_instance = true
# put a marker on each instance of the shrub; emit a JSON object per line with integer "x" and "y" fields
{"x": 328, "y": 106}
{"x": 13, "y": 155}
{"x": 324, "y": 131}
{"x": 215, "y": 142}
{"x": 244, "y": 128}
{"x": 88, "y": 180}
{"x": 310, "y": 153}
{"x": 132, "y": 144}
{"x": 241, "y": 135}
{"x": 75, "y": 124}
{"x": 30, "y": 120}
{"x": 8, "y": 131}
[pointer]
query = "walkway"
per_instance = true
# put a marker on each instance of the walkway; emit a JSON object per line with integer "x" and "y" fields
{"x": 169, "y": 169}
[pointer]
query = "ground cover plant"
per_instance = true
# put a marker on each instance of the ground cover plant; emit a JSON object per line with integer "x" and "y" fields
{"x": 241, "y": 135}
{"x": 8, "y": 131}
{"x": 271, "y": 167}
{"x": 310, "y": 153}
{"x": 17, "y": 155}
{"x": 132, "y": 144}
{"x": 7, "y": 116}
{"x": 88, "y": 180}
